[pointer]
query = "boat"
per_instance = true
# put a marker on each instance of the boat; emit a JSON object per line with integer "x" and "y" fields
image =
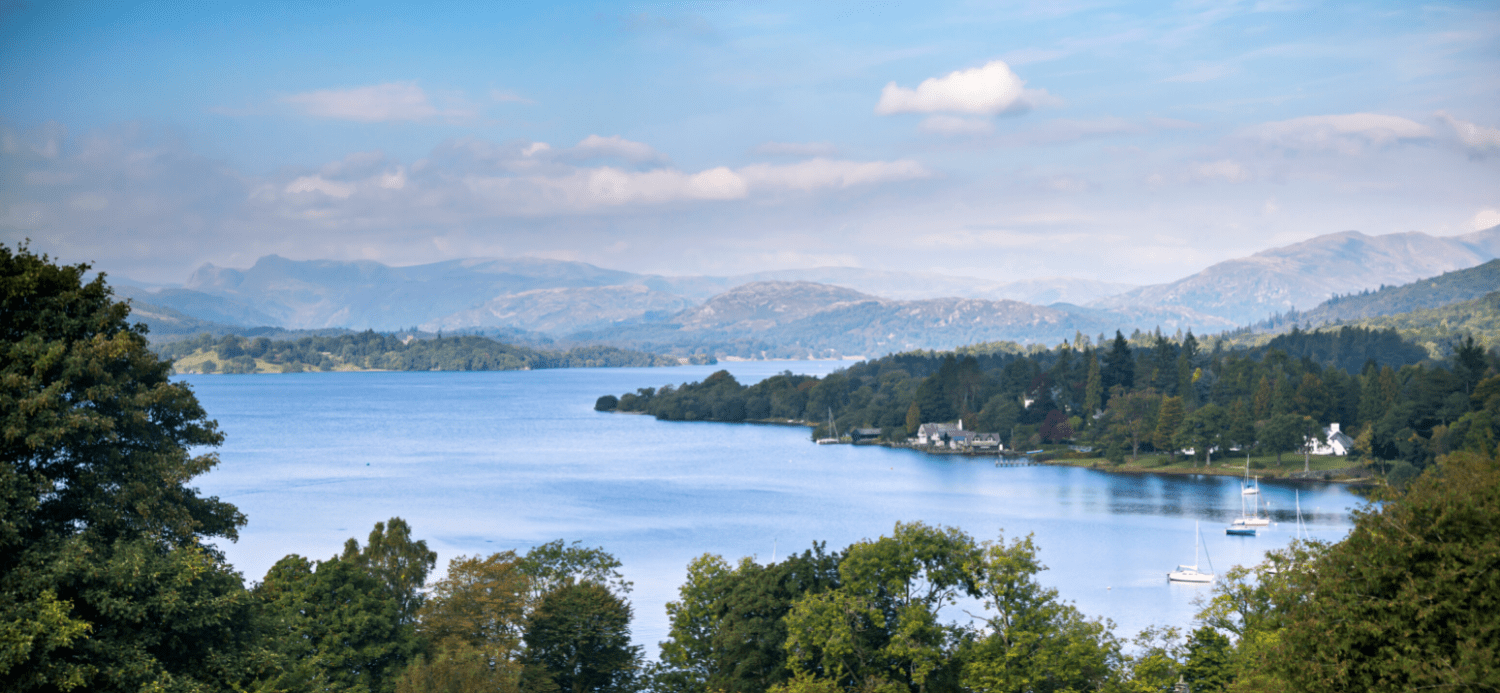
{"x": 834, "y": 439}
{"x": 1302, "y": 532}
{"x": 1246, "y": 488}
{"x": 1191, "y": 573}
{"x": 1245, "y": 525}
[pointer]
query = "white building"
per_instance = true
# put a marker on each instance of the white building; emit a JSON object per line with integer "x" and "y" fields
{"x": 1337, "y": 442}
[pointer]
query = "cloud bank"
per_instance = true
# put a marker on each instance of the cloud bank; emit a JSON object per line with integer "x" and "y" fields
{"x": 1352, "y": 133}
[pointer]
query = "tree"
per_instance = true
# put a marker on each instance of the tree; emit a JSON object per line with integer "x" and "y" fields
{"x": 728, "y": 629}
{"x": 1033, "y": 641}
{"x": 1093, "y": 389}
{"x": 1132, "y": 418}
{"x": 1168, "y": 421}
{"x": 399, "y": 563}
{"x": 578, "y": 639}
{"x": 557, "y": 563}
{"x": 335, "y": 627}
{"x": 474, "y": 619}
{"x": 881, "y": 624}
{"x": 1281, "y": 433}
{"x": 1408, "y": 600}
{"x": 105, "y": 582}
{"x": 1119, "y": 365}
{"x": 913, "y": 418}
{"x": 1203, "y": 430}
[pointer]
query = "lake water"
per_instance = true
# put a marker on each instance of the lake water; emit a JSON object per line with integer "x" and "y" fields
{"x": 484, "y": 462}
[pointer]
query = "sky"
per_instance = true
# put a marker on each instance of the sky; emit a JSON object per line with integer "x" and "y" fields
{"x": 1131, "y": 142}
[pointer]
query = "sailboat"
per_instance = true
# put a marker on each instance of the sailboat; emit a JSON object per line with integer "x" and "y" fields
{"x": 1190, "y": 573}
{"x": 1246, "y": 488}
{"x": 833, "y": 432}
{"x": 1302, "y": 532}
{"x": 1245, "y": 525}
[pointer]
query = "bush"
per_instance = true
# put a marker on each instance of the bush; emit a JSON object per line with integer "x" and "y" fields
{"x": 606, "y": 403}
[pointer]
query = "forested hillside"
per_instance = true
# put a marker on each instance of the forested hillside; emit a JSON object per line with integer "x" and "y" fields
{"x": 374, "y": 351}
{"x": 1163, "y": 396}
{"x": 1434, "y": 292}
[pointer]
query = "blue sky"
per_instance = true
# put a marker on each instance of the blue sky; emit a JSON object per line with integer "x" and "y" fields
{"x": 1133, "y": 142}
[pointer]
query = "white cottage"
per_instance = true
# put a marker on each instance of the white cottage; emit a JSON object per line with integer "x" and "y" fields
{"x": 1337, "y": 442}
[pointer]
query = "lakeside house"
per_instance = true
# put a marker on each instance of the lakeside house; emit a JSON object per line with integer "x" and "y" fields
{"x": 953, "y": 437}
{"x": 1336, "y": 443}
{"x": 930, "y": 434}
{"x": 864, "y": 435}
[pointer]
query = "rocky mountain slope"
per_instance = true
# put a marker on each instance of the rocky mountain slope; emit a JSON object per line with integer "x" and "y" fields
{"x": 1247, "y": 290}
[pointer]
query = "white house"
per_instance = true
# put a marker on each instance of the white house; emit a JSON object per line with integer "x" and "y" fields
{"x": 932, "y": 433}
{"x": 1337, "y": 444}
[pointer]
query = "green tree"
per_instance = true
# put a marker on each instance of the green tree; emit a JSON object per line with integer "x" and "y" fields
{"x": 728, "y": 631}
{"x": 474, "y": 619}
{"x": 1093, "y": 390}
{"x": 557, "y": 563}
{"x": 1119, "y": 365}
{"x": 1168, "y": 422}
{"x": 1209, "y": 667}
{"x": 1281, "y": 433}
{"x": 1033, "y": 641}
{"x": 335, "y": 627}
{"x": 1203, "y": 430}
{"x": 882, "y": 623}
{"x": 1408, "y": 600}
{"x": 1131, "y": 418}
{"x": 396, "y": 561}
{"x": 913, "y": 418}
{"x": 105, "y": 583}
{"x": 578, "y": 640}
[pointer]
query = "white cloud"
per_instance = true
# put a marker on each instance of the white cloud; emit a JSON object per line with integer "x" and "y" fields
{"x": 1485, "y": 219}
{"x": 595, "y": 146}
{"x": 831, "y": 173}
{"x": 611, "y": 186}
{"x": 1480, "y": 139}
{"x": 987, "y": 90}
{"x": 1346, "y": 134}
{"x": 796, "y": 149}
{"x": 331, "y": 188}
{"x": 955, "y": 125}
{"x": 379, "y": 103}
{"x": 1225, "y": 169}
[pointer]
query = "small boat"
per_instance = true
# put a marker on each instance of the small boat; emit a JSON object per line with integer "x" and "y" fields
{"x": 1247, "y": 488}
{"x": 1239, "y": 530}
{"x": 1245, "y": 525}
{"x": 834, "y": 439}
{"x": 1191, "y": 573}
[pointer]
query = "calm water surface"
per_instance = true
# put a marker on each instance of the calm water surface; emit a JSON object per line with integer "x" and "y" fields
{"x": 484, "y": 462}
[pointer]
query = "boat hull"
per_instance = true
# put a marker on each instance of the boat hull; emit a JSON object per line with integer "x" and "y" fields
{"x": 1193, "y": 576}
{"x": 1240, "y": 531}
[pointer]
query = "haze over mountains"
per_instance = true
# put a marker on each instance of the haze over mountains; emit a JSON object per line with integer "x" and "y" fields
{"x": 792, "y": 312}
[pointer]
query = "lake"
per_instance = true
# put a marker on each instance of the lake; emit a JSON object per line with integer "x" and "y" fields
{"x": 485, "y": 462}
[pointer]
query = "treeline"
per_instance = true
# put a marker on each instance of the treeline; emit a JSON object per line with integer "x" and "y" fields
{"x": 370, "y": 350}
{"x": 1162, "y": 396}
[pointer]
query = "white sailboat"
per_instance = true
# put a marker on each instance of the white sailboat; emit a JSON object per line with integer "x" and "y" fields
{"x": 833, "y": 432}
{"x": 1302, "y": 532}
{"x": 1191, "y": 573}
{"x": 1245, "y": 525}
{"x": 1246, "y": 488}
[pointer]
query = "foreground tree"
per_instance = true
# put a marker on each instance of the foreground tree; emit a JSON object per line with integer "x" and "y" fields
{"x": 1409, "y": 600}
{"x": 105, "y": 580}
{"x": 578, "y": 641}
{"x": 474, "y": 619}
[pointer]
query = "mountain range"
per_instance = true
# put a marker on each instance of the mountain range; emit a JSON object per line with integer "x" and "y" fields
{"x": 788, "y": 312}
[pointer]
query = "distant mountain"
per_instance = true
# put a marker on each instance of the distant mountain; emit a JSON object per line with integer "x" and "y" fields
{"x": 1305, "y": 274}
{"x": 1432, "y": 292}
{"x": 920, "y": 285}
{"x": 1437, "y": 329}
{"x": 168, "y": 324}
{"x": 560, "y": 311}
{"x": 199, "y": 305}
{"x": 788, "y": 319}
{"x": 364, "y": 294}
